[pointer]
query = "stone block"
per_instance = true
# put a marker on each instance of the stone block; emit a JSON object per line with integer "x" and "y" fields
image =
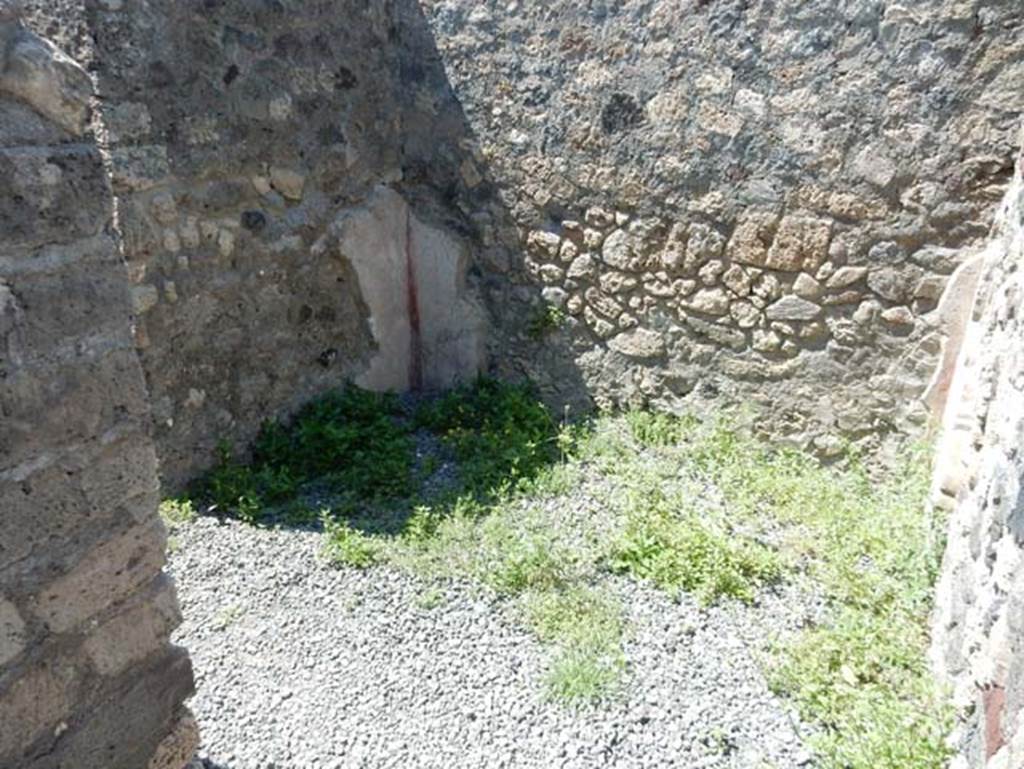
{"x": 61, "y": 296}
{"x": 179, "y": 747}
{"x": 105, "y": 575}
{"x": 140, "y": 630}
{"x": 752, "y": 238}
{"x": 36, "y": 72}
{"x": 51, "y": 195}
{"x": 793, "y": 308}
{"x": 142, "y": 707}
{"x": 710, "y": 301}
{"x": 845, "y": 276}
{"x": 639, "y": 343}
{"x": 34, "y": 705}
{"x": 60, "y": 506}
{"x": 56, "y": 404}
{"x": 22, "y": 126}
{"x": 618, "y": 251}
{"x": 801, "y": 244}
{"x": 138, "y": 168}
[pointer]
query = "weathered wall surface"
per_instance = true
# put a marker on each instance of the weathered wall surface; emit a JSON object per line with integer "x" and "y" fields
{"x": 748, "y": 201}
{"x": 979, "y": 623}
{"x": 429, "y": 332}
{"x": 85, "y": 612}
{"x": 239, "y": 134}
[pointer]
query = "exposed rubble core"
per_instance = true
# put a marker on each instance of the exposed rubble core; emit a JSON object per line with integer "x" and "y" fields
{"x": 776, "y": 190}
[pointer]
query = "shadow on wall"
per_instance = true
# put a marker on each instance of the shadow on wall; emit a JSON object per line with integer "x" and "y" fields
{"x": 448, "y": 179}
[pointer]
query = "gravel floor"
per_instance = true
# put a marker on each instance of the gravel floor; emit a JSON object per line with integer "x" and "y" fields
{"x": 302, "y": 665}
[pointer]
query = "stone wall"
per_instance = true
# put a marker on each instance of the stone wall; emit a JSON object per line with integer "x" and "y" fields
{"x": 735, "y": 200}
{"x": 242, "y": 136}
{"x": 979, "y": 623}
{"x": 676, "y": 203}
{"x": 88, "y": 679}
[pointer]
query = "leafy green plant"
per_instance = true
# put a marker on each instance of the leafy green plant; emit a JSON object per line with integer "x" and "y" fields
{"x": 177, "y": 512}
{"x": 586, "y": 627}
{"x": 580, "y": 675}
{"x": 233, "y": 487}
{"x": 545, "y": 320}
{"x": 500, "y": 433}
{"x": 346, "y": 546}
{"x": 422, "y": 525}
{"x": 874, "y": 547}
{"x": 431, "y": 598}
{"x": 350, "y": 439}
{"x": 298, "y": 512}
{"x": 651, "y": 428}
{"x": 677, "y": 551}
{"x": 514, "y": 560}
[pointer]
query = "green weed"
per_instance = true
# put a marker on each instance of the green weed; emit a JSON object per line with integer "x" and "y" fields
{"x": 177, "y": 512}
{"x": 545, "y": 320}
{"x": 431, "y": 598}
{"x": 651, "y": 428}
{"x": 579, "y": 675}
{"x": 586, "y": 628}
{"x": 871, "y": 544}
{"x": 351, "y": 440}
{"x": 500, "y": 433}
{"x": 513, "y": 560}
{"x": 676, "y": 550}
{"x": 860, "y": 677}
{"x": 345, "y": 546}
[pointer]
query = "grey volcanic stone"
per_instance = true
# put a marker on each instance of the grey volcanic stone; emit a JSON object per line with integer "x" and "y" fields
{"x": 793, "y": 308}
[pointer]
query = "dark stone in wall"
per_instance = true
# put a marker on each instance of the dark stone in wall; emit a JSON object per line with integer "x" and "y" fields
{"x": 621, "y": 113}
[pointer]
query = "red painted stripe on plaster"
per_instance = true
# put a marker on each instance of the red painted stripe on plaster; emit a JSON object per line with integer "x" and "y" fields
{"x": 413, "y": 308}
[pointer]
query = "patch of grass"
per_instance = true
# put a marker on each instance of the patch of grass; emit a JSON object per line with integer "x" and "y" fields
{"x": 575, "y": 613}
{"x": 862, "y": 676}
{"x": 346, "y": 546}
{"x": 673, "y": 548}
{"x": 513, "y": 560}
{"x": 580, "y": 675}
{"x": 551, "y": 481}
{"x": 651, "y": 428}
{"x": 586, "y": 627}
{"x": 431, "y": 598}
{"x": 422, "y": 524}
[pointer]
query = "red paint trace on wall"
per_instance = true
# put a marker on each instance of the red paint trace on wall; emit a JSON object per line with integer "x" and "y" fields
{"x": 415, "y": 340}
